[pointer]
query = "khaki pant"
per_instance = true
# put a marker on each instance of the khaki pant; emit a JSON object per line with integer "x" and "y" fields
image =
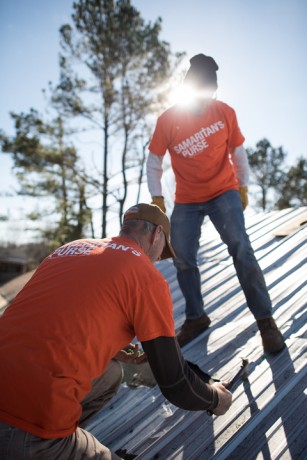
{"x": 16, "y": 444}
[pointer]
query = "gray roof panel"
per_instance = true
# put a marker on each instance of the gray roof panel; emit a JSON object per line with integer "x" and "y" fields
{"x": 268, "y": 416}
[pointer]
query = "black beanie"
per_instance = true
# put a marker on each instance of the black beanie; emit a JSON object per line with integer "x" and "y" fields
{"x": 202, "y": 72}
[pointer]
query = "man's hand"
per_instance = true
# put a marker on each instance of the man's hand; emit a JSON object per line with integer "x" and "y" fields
{"x": 244, "y": 196}
{"x": 131, "y": 354}
{"x": 225, "y": 398}
{"x": 159, "y": 201}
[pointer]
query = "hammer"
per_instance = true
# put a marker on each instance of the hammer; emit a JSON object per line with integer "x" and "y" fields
{"x": 238, "y": 377}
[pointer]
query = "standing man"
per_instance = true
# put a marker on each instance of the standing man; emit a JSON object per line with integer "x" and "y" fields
{"x": 211, "y": 171}
{"x": 63, "y": 336}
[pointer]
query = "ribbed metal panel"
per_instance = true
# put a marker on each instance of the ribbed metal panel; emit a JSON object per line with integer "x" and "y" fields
{"x": 267, "y": 419}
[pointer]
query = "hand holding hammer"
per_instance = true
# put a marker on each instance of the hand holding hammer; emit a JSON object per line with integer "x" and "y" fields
{"x": 225, "y": 388}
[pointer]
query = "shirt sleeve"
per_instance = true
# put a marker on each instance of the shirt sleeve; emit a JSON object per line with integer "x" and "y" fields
{"x": 153, "y": 310}
{"x": 240, "y": 161}
{"x": 159, "y": 141}
{"x": 154, "y": 174}
{"x": 236, "y": 138}
{"x": 176, "y": 379}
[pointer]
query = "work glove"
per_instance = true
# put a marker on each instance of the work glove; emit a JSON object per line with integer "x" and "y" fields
{"x": 159, "y": 201}
{"x": 244, "y": 196}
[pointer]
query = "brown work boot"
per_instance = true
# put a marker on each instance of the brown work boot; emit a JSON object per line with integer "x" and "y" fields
{"x": 272, "y": 339}
{"x": 191, "y": 328}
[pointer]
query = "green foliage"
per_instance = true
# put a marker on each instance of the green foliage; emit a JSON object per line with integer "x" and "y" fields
{"x": 118, "y": 85}
{"x": 114, "y": 74}
{"x": 46, "y": 167}
{"x": 286, "y": 187}
{"x": 293, "y": 190}
{"x": 267, "y": 167}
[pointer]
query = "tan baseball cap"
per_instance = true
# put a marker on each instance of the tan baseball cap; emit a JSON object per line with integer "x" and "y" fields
{"x": 152, "y": 213}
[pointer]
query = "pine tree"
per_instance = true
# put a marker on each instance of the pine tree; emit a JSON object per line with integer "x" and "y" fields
{"x": 267, "y": 167}
{"x": 293, "y": 190}
{"x": 113, "y": 67}
{"x": 47, "y": 167}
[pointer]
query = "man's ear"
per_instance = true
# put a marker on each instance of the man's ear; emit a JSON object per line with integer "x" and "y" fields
{"x": 157, "y": 233}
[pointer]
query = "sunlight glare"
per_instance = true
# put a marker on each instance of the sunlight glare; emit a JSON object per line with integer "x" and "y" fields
{"x": 186, "y": 95}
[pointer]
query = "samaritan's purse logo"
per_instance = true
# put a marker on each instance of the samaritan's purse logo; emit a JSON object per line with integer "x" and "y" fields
{"x": 196, "y": 143}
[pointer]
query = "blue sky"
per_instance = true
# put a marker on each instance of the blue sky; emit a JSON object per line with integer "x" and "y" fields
{"x": 260, "y": 47}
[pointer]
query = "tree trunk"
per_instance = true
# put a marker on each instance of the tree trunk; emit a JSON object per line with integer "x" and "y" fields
{"x": 125, "y": 182}
{"x": 105, "y": 178}
{"x": 141, "y": 173}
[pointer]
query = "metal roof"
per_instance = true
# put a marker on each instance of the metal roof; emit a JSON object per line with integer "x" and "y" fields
{"x": 267, "y": 419}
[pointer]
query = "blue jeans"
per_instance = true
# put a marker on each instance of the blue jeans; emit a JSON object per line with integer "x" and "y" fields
{"x": 226, "y": 214}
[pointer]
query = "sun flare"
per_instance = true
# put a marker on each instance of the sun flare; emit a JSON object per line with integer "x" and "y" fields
{"x": 186, "y": 95}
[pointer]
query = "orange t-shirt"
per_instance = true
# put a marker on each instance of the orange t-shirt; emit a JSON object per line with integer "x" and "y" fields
{"x": 84, "y": 303}
{"x": 199, "y": 146}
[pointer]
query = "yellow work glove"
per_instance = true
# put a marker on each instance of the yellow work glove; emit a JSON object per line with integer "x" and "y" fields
{"x": 159, "y": 201}
{"x": 244, "y": 196}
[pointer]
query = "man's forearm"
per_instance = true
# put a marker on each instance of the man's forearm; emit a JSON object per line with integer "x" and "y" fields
{"x": 177, "y": 381}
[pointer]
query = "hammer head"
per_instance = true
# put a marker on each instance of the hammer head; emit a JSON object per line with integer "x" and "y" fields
{"x": 244, "y": 368}
{"x": 240, "y": 375}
